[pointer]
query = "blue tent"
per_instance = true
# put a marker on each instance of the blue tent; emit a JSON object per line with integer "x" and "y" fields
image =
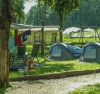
{"x": 62, "y": 51}
{"x": 91, "y": 52}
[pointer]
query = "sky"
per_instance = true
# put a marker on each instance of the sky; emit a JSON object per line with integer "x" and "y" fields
{"x": 28, "y": 6}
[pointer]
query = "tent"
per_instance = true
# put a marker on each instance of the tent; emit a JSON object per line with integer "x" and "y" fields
{"x": 71, "y": 29}
{"x": 91, "y": 52}
{"x": 89, "y": 29}
{"x": 62, "y": 51}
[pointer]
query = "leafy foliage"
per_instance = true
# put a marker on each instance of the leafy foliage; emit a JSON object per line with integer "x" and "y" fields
{"x": 18, "y": 6}
{"x": 65, "y": 6}
{"x": 87, "y": 14}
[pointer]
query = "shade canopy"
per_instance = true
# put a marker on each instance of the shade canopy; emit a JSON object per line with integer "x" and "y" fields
{"x": 71, "y": 29}
{"x": 21, "y": 26}
{"x": 89, "y": 29}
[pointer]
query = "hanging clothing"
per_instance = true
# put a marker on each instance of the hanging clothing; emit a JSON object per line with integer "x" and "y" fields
{"x": 24, "y": 35}
{"x": 18, "y": 40}
{"x": 28, "y": 32}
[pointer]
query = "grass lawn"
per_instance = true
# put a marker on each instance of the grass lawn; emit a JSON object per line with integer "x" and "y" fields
{"x": 59, "y": 66}
{"x": 90, "y": 39}
{"x": 89, "y": 89}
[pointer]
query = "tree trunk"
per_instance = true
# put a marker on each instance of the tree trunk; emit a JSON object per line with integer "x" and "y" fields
{"x": 16, "y": 30}
{"x": 43, "y": 17}
{"x": 4, "y": 59}
{"x": 61, "y": 26}
{"x": 6, "y": 19}
{"x": 43, "y": 43}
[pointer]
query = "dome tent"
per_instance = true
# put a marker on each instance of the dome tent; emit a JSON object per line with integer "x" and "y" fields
{"x": 91, "y": 52}
{"x": 62, "y": 51}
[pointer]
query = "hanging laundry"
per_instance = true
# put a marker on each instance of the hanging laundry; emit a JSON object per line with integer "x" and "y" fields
{"x": 18, "y": 40}
{"x": 28, "y": 32}
{"x": 24, "y": 36}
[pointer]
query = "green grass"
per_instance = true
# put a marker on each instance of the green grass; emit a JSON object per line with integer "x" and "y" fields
{"x": 59, "y": 66}
{"x": 90, "y": 39}
{"x": 89, "y": 89}
{"x": 29, "y": 48}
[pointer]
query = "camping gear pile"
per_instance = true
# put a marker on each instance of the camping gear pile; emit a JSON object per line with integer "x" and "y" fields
{"x": 17, "y": 57}
{"x": 76, "y": 51}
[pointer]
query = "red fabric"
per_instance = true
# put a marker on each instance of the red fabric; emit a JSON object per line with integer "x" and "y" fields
{"x": 18, "y": 40}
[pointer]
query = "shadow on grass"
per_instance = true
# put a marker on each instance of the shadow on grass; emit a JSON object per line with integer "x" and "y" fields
{"x": 47, "y": 68}
{"x": 51, "y": 68}
{"x": 34, "y": 82}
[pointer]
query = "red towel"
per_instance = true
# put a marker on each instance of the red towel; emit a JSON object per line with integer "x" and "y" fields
{"x": 18, "y": 40}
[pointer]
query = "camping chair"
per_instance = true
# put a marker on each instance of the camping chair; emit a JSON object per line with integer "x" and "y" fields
{"x": 18, "y": 62}
{"x": 20, "y": 53}
{"x": 35, "y": 51}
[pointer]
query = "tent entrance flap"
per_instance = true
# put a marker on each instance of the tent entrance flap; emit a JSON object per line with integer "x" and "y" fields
{"x": 91, "y": 52}
{"x": 56, "y": 51}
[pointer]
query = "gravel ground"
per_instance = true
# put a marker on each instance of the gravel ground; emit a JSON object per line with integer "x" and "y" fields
{"x": 52, "y": 86}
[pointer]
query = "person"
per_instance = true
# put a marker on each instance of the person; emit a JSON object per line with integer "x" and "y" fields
{"x": 70, "y": 35}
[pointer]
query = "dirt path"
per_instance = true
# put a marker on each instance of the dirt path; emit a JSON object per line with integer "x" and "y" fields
{"x": 53, "y": 86}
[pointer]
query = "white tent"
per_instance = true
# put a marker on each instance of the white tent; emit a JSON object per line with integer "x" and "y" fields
{"x": 89, "y": 29}
{"x": 90, "y": 32}
{"x": 71, "y": 29}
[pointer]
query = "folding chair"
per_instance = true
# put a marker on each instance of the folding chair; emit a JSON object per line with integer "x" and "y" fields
{"x": 34, "y": 52}
{"x": 18, "y": 61}
{"x": 20, "y": 53}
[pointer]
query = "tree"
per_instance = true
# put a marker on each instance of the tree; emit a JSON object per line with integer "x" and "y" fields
{"x": 88, "y": 14}
{"x": 5, "y": 21}
{"x": 19, "y": 11}
{"x": 30, "y": 16}
{"x": 33, "y": 17}
{"x": 6, "y": 18}
{"x": 42, "y": 3}
{"x": 63, "y": 7}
